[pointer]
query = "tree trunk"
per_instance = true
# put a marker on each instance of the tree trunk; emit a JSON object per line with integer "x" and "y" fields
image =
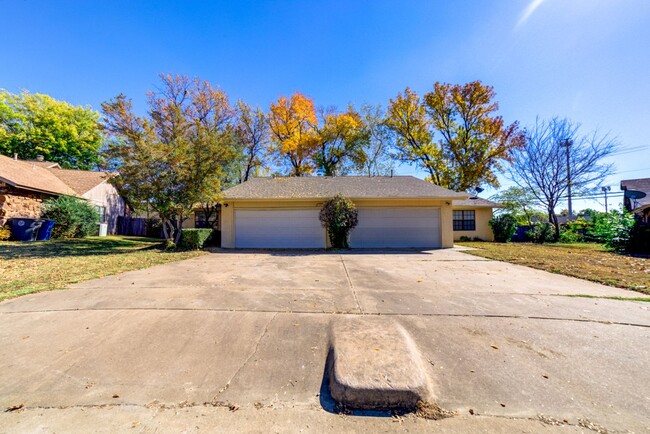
{"x": 165, "y": 228}
{"x": 178, "y": 228}
{"x": 553, "y": 219}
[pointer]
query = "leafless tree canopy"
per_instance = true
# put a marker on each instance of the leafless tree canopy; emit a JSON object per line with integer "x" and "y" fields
{"x": 377, "y": 160}
{"x": 540, "y": 166}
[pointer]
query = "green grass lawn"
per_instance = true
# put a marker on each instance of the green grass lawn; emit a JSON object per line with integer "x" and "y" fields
{"x": 28, "y": 267}
{"x": 586, "y": 261}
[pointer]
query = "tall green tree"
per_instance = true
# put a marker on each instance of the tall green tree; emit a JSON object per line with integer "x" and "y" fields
{"x": 519, "y": 202}
{"x": 454, "y": 134}
{"x": 172, "y": 159}
{"x": 37, "y": 124}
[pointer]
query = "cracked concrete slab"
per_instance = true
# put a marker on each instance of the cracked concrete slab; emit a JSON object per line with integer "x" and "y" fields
{"x": 84, "y": 358}
{"x": 198, "y": 419}
{"x": 174, "y": 347}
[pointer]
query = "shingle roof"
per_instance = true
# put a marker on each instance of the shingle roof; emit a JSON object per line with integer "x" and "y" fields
{"x": 80, "y": 181}
{"x": 641, "y": 184}
{"x": 45, "y": 164}
{"x": 476, "y": 202}
{"x": 25, "y": 175}
{"x": 322, "y": 187}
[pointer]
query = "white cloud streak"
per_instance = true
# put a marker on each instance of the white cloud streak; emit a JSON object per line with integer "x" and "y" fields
{"x": 525, "y": 15}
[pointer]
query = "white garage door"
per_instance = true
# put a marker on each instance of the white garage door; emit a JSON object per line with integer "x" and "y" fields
{"x": 295, "y": 228}
{"x": 397, "y": 228}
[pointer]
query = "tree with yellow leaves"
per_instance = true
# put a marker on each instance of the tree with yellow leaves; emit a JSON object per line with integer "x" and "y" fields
{"x": 341, "y": 141}
{"x": 292, "y": 122}
{"x": 473, "y": 141}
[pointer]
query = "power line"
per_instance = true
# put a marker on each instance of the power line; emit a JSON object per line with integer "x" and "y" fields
{"x": 630, "y": 150}
{"x": 609, "y": 196}
{"x": 628, "y": 171}
{"x": 595, "y": 195}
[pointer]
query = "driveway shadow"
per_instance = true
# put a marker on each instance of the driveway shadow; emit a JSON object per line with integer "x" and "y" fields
{"x": 331, "y": 406}
{"x": 324, "y": 252}
{"x": 75, "y": 247}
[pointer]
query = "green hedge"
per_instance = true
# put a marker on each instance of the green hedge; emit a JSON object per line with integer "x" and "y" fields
{"x": 73, "y": 218}
{"x": 503, "y": 227}
{"x": 194, "y": 239}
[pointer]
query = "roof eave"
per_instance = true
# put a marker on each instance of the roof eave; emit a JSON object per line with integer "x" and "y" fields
{"x": 37, "y": 190}
{"x": 479, "y": 206}
{"x": 349, "y": 197}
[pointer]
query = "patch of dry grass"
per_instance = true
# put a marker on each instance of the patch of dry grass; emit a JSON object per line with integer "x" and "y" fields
{"x": 585, "y": 261}
{"x": 38, "y": 266}
{"x": 432, "y": 411}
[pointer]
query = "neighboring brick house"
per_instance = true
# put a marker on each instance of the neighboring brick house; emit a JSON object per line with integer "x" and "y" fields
{"x": 23, "y": 187}
{"x": 25, "y": 184}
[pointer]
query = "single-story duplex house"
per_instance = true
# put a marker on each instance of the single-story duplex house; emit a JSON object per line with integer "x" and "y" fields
{"x": 471, "y": 218}
{"x": 24, "y": 185}
{"x": 639, "y": 206}
{"x": 394, "y": 212}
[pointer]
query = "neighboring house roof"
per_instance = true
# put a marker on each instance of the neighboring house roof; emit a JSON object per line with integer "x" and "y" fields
{"x": 324, "y": 187}
{"x": 641, "y": 184}
{"x": 28, "y": 176}
{"x": 476, "y": 202}
{"x": 81, "y": 181}
{"x": 42, "y": 163}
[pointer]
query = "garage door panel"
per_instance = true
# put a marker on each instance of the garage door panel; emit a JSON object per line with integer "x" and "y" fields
{"x": 278, "y": 229}
{"x": 417, "y": 227}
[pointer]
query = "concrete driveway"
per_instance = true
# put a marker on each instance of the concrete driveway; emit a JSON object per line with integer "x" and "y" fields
{"x": 238, "y": 341}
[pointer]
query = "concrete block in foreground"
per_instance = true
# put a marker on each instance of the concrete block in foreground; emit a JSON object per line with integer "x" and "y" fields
{"x": 375, "y": 364}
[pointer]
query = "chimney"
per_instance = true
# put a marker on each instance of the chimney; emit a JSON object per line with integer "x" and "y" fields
{"x": 40, "y": 158}
{"x": 15, "y": 156}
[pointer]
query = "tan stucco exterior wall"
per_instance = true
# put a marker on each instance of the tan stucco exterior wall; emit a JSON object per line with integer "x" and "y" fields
{"x": 190, "y": 222}
{"x": 228, "y": 225}
{"x": 483, "y": 231}
{"x": 229, "y": 207}
{"x": 106, "y": 195}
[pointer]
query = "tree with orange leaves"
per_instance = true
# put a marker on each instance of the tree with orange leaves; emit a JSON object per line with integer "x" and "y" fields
{"x": 292, "y": 122}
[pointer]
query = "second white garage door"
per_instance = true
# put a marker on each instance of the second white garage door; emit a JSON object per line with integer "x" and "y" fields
{"x": 293, "y": 228}
{"x": 417, "y": 227}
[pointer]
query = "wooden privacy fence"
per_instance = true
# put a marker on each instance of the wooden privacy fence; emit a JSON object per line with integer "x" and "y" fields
{"x": 138, "y": 227}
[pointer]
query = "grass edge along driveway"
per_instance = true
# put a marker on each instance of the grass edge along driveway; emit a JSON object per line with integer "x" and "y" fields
{"x": 30, "y": 267}
{"x": 585, "y": 261}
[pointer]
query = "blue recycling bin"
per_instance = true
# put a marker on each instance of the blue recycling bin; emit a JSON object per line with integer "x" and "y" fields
{"x": 45, "y": 232}
{"x": 23, "y": 229}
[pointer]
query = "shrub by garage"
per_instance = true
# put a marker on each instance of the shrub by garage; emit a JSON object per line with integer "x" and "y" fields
{"x": 194, "y": 239}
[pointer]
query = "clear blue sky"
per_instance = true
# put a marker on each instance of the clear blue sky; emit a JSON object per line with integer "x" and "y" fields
{"x": 585, "y": 59}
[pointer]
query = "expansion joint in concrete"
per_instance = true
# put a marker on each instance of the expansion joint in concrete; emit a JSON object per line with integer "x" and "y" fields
{"x": 354, "y": 293}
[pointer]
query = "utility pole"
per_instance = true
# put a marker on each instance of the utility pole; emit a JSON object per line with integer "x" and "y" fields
{"x": 605, "y": 190}
{"x": 567, "y": 143}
